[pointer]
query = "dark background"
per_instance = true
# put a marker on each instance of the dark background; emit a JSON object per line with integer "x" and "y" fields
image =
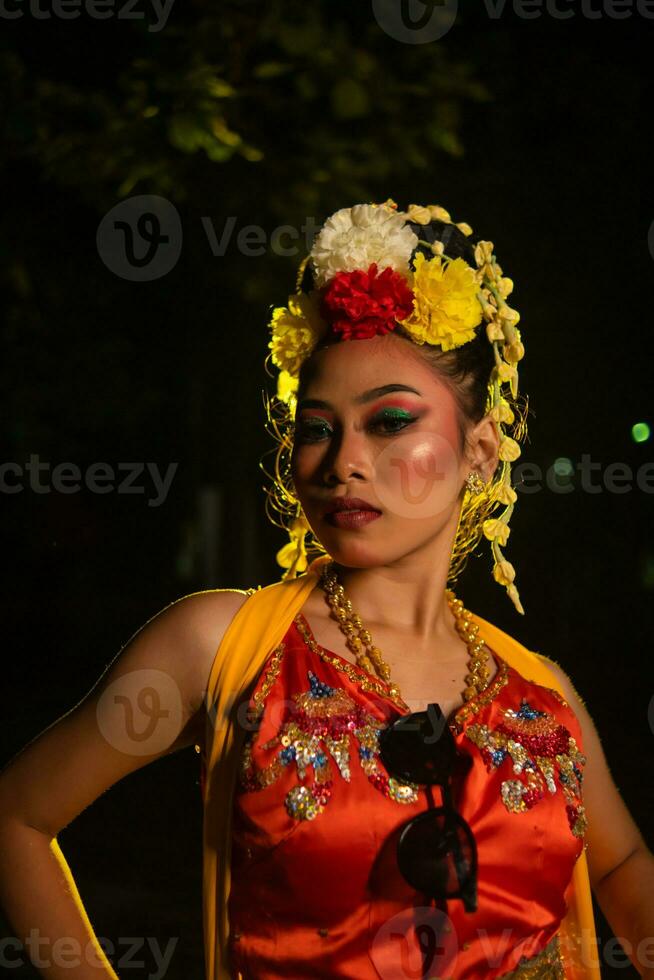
{"x": 535, "y": 131}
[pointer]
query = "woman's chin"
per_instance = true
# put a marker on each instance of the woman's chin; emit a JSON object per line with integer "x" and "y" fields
{"x": 353, "y": 553}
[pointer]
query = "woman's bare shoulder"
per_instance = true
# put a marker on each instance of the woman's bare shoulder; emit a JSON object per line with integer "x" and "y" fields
{"x": 206, "y": 616}
{"x": 213, "y": 606}
{"x": 147, "y": 704}
{"x": 181, "y": 640}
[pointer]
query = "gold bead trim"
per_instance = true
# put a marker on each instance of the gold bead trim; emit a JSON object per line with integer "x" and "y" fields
{"x": 546, "y": 965}
{"x": 356, "y": 674}
{"x": 368, "y": 683}
{"x": 272, "y": 672}
{"x": 470, "y": 708}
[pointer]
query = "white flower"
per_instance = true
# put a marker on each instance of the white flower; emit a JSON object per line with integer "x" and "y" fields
{"x": 353, "y": 238}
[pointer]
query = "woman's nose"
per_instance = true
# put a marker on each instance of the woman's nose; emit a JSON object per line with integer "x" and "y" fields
{"x": 348, "y": 457}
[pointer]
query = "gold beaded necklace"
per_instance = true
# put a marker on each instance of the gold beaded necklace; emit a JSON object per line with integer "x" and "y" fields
{"x": 369, "y": 656}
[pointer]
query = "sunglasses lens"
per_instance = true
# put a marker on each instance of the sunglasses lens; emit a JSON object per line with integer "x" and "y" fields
{"x": 437, "y": 855}
{"x": 419, "y": 747}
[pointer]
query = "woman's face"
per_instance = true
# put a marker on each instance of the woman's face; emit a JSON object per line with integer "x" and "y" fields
{"x": 375, "y": 422}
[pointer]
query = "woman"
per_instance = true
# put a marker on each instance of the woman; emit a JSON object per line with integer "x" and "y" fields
{"x": 393, "y": 787}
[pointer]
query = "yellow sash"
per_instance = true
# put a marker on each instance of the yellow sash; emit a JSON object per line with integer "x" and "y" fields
{"x": 258, "y": 627}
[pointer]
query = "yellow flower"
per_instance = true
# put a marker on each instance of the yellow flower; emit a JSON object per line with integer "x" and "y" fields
{"x": 509, "y": 449}
{"x": 436, "y": 211}
{"x": 503, "y": 572}
{"x": 289, "y": 557}
{"x": 483, "y": 252}
{"x": 514, "y": 352}
{"x": 505, "y": 287}
{"x": 494, "y": 331}
{"x": 510, "y": 315}
{"x": 496, "y": 530}
{"x": 464, "y": 227}
{"x": 295, "y": 331}
{"x": 445, "y": 305}
{"x": 502, "y": 412}
{"x": 505, "y": 494}
{"x": 286, "y": 386}
{"x": 299, "y": 526}
{"x": 421, "y": 216}
{"x": 293, "y": 555}
{"x": 515, "y": 598}
{"x": 504, "y": 371}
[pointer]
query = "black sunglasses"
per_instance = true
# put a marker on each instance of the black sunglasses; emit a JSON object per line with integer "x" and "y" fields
{"x": 436, "y": 850}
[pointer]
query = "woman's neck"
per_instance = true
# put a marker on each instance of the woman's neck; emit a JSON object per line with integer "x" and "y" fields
{"x": 402, "y": 597}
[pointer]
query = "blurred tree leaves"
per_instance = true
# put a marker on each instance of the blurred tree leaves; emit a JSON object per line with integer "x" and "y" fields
{"x": 313, "y": 98}
{"x": 274, "y": 112}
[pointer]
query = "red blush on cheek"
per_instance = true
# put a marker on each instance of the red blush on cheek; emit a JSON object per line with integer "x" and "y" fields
{"x": 418, "y": 477}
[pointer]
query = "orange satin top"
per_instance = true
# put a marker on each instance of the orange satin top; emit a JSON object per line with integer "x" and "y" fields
{"x": 315, "y": 887}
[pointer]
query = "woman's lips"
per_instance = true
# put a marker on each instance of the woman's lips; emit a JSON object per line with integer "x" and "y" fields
{"x": 352, "y": 518}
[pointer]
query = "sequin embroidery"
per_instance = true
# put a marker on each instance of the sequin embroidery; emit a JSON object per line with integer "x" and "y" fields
{"x": 323, "y": 721}
{"x": 543, "y": 752}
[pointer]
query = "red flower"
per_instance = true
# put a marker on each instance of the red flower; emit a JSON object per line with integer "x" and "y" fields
{"x": 360, "y": 304}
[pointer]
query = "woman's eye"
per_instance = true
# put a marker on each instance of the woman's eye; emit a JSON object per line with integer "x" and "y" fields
{"x": 388, "y": 424}
{"x": 395, "y": 422}
{"x": 311, "y": 431}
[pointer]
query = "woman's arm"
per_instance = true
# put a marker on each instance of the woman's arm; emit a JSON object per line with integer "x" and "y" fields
{"x": 620, "y": 864}
{"x": 147, "y": 704}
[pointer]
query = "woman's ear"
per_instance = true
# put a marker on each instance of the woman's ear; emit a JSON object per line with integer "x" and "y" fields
{"x": 483, "y": 447}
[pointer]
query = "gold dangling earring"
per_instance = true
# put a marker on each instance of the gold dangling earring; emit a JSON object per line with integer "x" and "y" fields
{"x": 293, "y": 556}
{"x": 474, "y": 482}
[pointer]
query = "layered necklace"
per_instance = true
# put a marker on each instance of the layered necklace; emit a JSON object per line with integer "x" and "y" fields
{"x": 369, "y": 656}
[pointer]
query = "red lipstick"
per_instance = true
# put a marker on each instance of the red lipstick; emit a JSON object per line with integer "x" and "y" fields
{"x": 350, "y": 512}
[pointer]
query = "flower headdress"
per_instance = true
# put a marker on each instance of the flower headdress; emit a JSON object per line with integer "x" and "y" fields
{"x": 371, "y": 271}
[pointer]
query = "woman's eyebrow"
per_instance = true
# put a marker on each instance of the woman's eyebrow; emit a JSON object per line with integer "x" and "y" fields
{"x": 366, "y": 396}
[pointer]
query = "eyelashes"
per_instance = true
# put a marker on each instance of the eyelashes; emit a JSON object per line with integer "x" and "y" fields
{"x": 314, "y": 431}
